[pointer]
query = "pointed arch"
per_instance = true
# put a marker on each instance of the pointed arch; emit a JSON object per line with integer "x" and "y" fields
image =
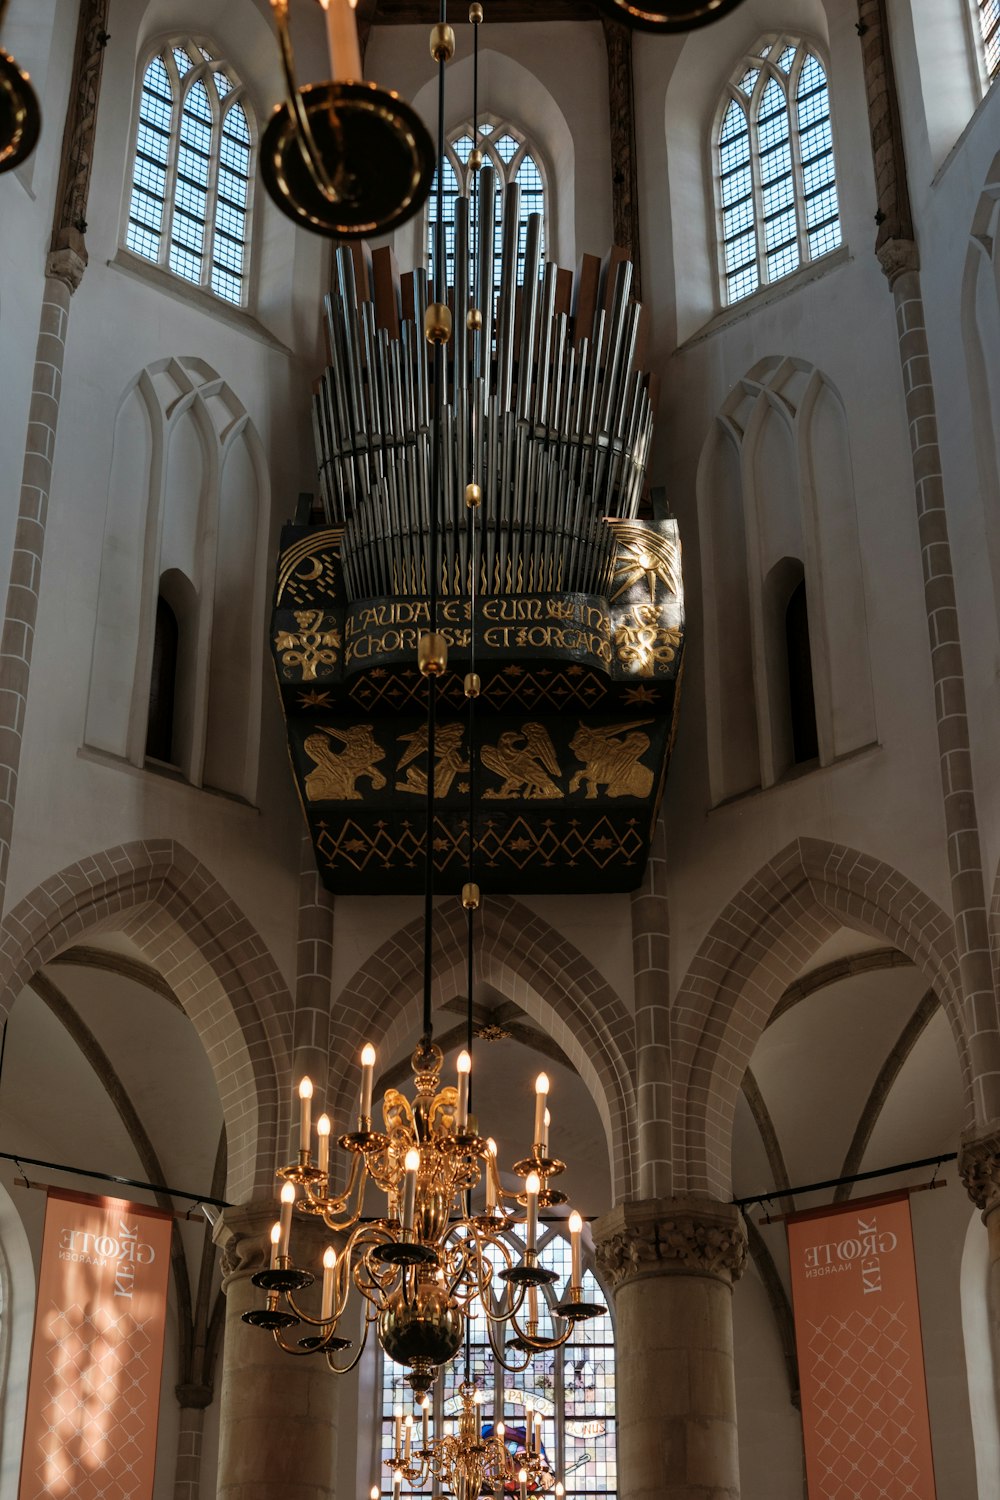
{"x": 523, "y": 957}
{"x": 189, "y": 189}
{"x": 755, "y": 948}
{"x": 189, "y": 928}
{"x": 188, "y": 495}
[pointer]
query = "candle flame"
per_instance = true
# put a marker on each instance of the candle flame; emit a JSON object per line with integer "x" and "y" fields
{"x": 288, "y": 1193}
{"x": 464, "y": 1063}
{"x": 575, "y": 1222}
{"x": 368, "y": 1055}
{"x": 542, "y": 1083}
{"x": 306, "y": 1088}
{"x": 412, "y": 1162}
{"x": 323, "y": 1125}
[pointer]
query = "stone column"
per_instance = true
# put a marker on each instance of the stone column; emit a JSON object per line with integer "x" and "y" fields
{"x": 979, "y": 1167}
{"x": 671, "y": 1263}
{"x": 193, "y": 1400}
{"x": 277, "y": 1419}
{"x": 651, "y": 967}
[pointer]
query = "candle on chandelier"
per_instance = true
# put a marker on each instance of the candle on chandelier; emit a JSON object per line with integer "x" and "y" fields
{"x": 329, "y": 1263}
{"x": 305, "y": 1113}
{"x": 408, "y": 1428}
{"x": 529, "y": 1417}
{"x": 541, "y": 1099}
{"x": 367, "y": 1082}
{"x": 342, "y": 40}
{"x": 575, "y": 1231}
{"x": 533, "y": 1307}
{"x": 399, "y": 1436}
{"x": 532, "y": 1187}
{"x": 412, "y": 1165}
{"x": 464, "y": 1066}
{"x": 425, "y": 1408}
{"x": 491, "y": 1168}
{"x": 397, "y": 1485}
{"x": 546, "y": 1122}
{"x": 374, "y": 1492}
{"x": 522, "y": 1479}
{"x": 538, "y": 1432}
{"x": 285, "y": 1222}
{"x": 275, "y": 1244}
{"x": 560, "y": 1489}
{"x": 501, "y": 1429}
{"x": 323, "y": 1153}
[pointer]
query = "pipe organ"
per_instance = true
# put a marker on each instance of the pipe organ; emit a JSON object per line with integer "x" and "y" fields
{"x": 569, "y": 599}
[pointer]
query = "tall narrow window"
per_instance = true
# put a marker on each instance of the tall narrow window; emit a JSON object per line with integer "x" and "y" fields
{"x": 989, "y": 26}
{"x": 506, "y": 151}
{"x": 777, "y": 189}
{"x": 801, "y": 698}
{"x": 192, "y": 169}
{"x": 572, "y": 1389}
{"x": 163, "y": 686}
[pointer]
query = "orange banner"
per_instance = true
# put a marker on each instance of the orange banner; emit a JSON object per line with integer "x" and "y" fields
{"x": 861, "y": 1361}
{"x": 97, "y": 1353}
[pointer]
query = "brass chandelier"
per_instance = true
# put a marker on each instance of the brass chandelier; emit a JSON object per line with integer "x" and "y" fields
{"x": 667, "y": 16}
{"x": 429, "y": 1260}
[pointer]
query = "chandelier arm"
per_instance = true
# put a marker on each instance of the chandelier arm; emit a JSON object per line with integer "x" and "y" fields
{"x": 307, "y": 141}
{"x": 500, "y": 1356}
{"x": 355, "y": 1359}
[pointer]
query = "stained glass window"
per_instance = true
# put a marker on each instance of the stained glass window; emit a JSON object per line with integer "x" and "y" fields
{"x": 778, "y": 204}
{"x": 505, "y": 150}
{"x": 192, "y": 171}
{"x": 989, "y": 25}
{"x": 572, "y": 1389}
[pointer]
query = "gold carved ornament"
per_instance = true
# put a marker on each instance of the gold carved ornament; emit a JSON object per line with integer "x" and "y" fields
{"x": 314, "y": 645}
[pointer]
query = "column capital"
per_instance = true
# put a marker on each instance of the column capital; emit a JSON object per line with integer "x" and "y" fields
{"x": 897, "y": 257}
{"x": 680, "y": 1236}
{"x": 979, "y": 1167}
{"x": 243, "y": 1235}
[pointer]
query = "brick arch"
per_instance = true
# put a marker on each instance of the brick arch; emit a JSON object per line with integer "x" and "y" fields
{"x": 754, "y": 950}
{"x": 530, "y": 962}
{"x": 218, "y": 966}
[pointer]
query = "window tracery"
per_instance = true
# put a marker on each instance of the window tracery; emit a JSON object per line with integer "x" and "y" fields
{"x": 989, "y": 29}
{"x": 573, "y": 1388}
{"x": 192, "y": 171}
{"x": 504, "y": 149}
{"x": 776, "y": 178}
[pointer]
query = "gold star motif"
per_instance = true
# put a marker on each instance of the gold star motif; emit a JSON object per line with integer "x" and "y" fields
{"x": 641, "y": 694}
{"x": 314, "y": 699}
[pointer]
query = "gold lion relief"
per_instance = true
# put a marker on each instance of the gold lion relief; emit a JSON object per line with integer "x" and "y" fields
{"x": 336, "y": 774}
{"x": 526, "y": 761}
{"x": 611, "y": 759}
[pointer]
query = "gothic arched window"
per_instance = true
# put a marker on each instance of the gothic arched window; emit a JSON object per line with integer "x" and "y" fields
{"x": 776, "y": 181}
{"x": 801, "y": 696}
{"x": 163, "y": 685}
{"x": 507, "y": 152}
{"x": 572, "y": 1388}
{"x": 989, "y": 29}
{"x": 192, "y": 172}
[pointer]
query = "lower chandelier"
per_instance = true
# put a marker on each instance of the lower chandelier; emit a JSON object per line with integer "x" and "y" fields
{"x": 424, "y": 1264}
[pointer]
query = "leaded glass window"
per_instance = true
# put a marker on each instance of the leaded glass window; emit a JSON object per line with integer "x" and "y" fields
{"x": 507, "y": 152}
{"x": 192, "y": 172}
{"x": 989, "y": 26}
{"x": 572, "y": 1388}
{"x": 777, "y": 187}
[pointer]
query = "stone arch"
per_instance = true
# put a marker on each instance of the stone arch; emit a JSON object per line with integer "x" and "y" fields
{"x": 218, "y": 966}
{"x": 754, "y": 950}
{"x": 525, "y": 958}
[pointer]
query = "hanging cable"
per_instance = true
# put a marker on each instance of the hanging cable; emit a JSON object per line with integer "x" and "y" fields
{"x": 437, "y": 329}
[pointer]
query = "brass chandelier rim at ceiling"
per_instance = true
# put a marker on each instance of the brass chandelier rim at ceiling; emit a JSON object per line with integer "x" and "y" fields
{"x": 669, "y": 16}
{"x": 20, "y": 114}
{"x": 366, "y": 124}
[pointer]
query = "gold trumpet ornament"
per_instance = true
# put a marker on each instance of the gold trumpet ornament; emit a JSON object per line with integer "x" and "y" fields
{"x": 20, "y": 115}
{"x": 346, "y": 159}
{"x": 668, "y": 15}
